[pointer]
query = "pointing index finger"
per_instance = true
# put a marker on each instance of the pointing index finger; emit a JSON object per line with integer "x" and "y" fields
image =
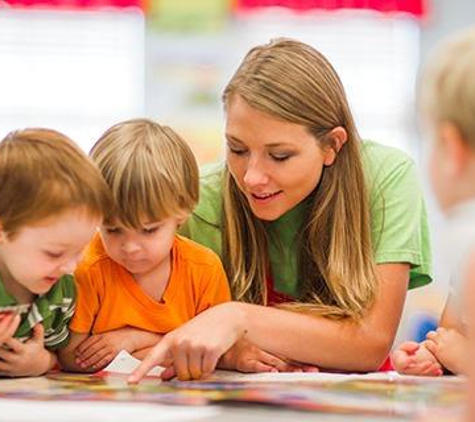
{"x": 156, "y": 357}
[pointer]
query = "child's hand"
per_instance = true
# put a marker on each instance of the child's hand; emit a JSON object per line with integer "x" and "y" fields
{"x": 9, "y": 323}
{"x": 26, "y": 359}
{"x": 412, "y": 358}
{"x": 450, "y": 347}
{"x": 246, "y": 357}
{"x": 98, "y": 350}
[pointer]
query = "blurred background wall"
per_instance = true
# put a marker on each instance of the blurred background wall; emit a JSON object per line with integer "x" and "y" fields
{"x": 80, "y": 66}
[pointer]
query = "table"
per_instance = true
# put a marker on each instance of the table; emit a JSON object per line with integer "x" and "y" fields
{"x": 388, "y": 391}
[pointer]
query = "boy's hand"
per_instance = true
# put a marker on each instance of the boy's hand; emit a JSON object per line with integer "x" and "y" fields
{"x": 26, "y": 359}
{"x": 98, "y": 350}
{"x": 246, "y": 357}
{"x": 412, "y": 358}
{"x": 450, "y": 347}
{"x": 9, "y": 323}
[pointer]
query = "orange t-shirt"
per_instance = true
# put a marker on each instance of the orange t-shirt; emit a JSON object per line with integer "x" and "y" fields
{"x": 110, "y": 298}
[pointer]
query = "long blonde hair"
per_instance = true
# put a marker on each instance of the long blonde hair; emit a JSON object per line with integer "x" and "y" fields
{"x": 293, "y": 82}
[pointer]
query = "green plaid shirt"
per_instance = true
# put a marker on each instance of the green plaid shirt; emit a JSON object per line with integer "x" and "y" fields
{"x": 53, "y": 309}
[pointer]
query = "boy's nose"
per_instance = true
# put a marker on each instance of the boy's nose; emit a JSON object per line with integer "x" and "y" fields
{"x": 130, "y": 247}
{"x": 69, "y": 266}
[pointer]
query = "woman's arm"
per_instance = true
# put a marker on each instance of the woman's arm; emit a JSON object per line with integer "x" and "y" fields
{"x": 341, "y": 345}
{"x": 350, "y": 346}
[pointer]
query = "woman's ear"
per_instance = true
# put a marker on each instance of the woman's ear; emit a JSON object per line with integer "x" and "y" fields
{"x": 338, "y": 137}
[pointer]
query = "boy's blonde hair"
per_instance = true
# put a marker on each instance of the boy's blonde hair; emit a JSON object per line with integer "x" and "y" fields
{"x": 43, "y": 173}
{"x": 150, "y": 170}
{"x": 448, "y": 85}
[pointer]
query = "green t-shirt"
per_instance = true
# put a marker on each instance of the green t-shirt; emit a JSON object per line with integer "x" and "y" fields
{"x": 53, "y": 309}
{"x": 399, "y": 226}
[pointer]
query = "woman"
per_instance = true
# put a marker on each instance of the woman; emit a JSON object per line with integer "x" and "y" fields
{"x": 306, "y": 215}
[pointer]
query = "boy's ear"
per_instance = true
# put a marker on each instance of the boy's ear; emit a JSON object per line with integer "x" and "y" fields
{"x": 454, "y": 147}
{"x": 338, "y": 137}
{"x": 3, "y": 235}
{"x": 182, "y": 218}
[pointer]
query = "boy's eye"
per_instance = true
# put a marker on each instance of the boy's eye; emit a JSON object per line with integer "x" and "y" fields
{"x": 150, "y": 230}
{"x": 112, "y": 230}
{"x": 53, "y": 255}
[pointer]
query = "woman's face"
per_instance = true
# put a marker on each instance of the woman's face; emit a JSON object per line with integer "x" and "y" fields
{"x": 276, "y": 164}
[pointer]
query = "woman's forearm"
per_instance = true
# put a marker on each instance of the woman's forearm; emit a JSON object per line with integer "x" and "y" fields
{"x": 342, "y": 345}
{"x": 318, "y": 341}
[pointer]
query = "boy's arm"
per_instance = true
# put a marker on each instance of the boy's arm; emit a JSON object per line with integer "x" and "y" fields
{"x": 449, "y": 343}
{"x": 449, "y": 318}
{"x": 67, "y": 355}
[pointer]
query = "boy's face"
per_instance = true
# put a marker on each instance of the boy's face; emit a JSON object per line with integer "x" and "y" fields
{"x": 437, "y": 175}
{"x": 141, "y": 251}
{"x": 448, "y": 166}
{"x": 40, "y": 253}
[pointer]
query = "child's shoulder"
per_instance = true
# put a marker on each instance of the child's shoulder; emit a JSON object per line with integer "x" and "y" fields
{"x": 63, "y": 291}
{"x": 94, "y": 254}
{"x": 194, "y": 254}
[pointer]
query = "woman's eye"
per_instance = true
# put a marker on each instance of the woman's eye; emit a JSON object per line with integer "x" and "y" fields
{"x": 280, "y": 157}
{"x": 237, "y": 151}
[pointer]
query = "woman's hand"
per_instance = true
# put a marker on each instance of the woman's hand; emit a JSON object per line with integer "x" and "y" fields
{"x": 192, "y": 351}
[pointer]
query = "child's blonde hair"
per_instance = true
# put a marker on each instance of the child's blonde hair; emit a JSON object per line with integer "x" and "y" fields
{"x": 43, "y": 173}
{"x": 448, "y": 87}
{"x": 150, "y": 170}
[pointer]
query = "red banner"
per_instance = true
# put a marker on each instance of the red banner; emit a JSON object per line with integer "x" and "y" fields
{"x": 75, "y": 4}
{"x": 415, "y": 7}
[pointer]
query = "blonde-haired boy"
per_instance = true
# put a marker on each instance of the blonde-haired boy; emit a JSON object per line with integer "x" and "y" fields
{"x": 448, "y": 104}
{"x": 139, "y": 280}
{"x": 52, "y": 200}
